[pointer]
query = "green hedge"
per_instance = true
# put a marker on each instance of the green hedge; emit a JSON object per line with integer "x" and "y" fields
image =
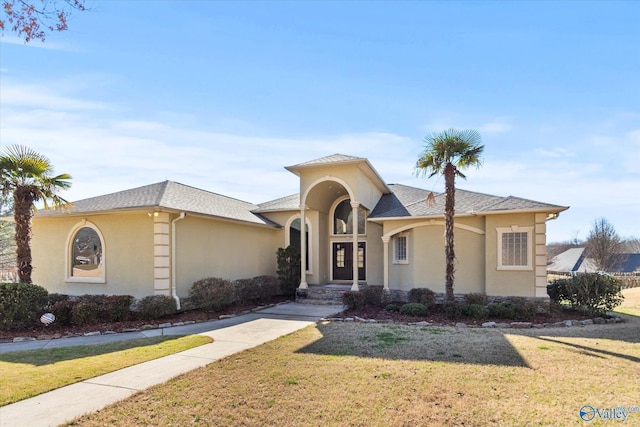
{"x": 594, "y": 293}
{"x": 21, "y": 305}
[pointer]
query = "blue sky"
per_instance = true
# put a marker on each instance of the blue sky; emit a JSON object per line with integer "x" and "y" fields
{"x": 223, "y": 95}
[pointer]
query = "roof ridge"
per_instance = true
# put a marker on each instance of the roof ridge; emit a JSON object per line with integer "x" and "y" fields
{"x": 212, "y": 192}
{"x": 162, "y": 192}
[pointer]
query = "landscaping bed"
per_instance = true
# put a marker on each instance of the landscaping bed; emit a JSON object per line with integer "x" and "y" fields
{"x": 54, "y": 330}
{"x": 438, "y": 317}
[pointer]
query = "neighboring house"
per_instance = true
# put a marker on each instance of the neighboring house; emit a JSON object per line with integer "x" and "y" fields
{"x": 160, "y": 238}
{"x": 574, "y": 260}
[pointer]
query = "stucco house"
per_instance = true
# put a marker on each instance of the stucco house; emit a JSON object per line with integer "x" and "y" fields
{"x": 160, "y": 238}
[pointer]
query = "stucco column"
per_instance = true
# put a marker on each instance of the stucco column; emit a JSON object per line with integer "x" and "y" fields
{"x": 161, "y": 254}
{"x": 385, "y": 251}
{"x": 303, "y": 248}
{"x": 354, "y": 206}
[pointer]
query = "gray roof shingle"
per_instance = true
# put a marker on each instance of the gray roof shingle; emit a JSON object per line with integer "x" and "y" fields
{"x": 334, "y": 158}
{"x": 287, "y": 203}
{"x": 168, "y": 195}
{"x": 405, "y": 201}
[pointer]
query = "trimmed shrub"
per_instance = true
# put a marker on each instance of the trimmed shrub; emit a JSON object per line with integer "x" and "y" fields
{"x": 289, "y": 268}
{"x": 475, "y": 311}
{"x": 212, "y": 293}
{"x": 517, "y": 309}
{"x": 453, "y": 310}
{"x": 373, "y": 296}
{"x": 246, "y": 291}
{"x": 502, "y": 311}
{"x": 63, "y": 310}
{"x": 155, "y": 306}
{"x": 267, "y": 286}
{"x": 593, "y": 293}
{"x": 524, "y": 308}
{"x": 98, "y": 299}
{"x": 118, "y": 307}
{"x": 422, "y": 295}
{"x": 393, "y": 307}
{"x": 353, "y": 300}
{"x": 476, "y": 299}
{"x": 54, "y": 298}
{"x": 415, "y": 309}
{"x": 21, "y": 304}
{"x": 85, "y": 313}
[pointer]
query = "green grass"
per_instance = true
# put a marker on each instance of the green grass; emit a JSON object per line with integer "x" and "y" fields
{"x": 349, "y": 374}
{"x": 28, "y": 373}
{"x": 631, "y": 303}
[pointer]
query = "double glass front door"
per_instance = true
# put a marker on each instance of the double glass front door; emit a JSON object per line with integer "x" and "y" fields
{"x": 343, "y": 261}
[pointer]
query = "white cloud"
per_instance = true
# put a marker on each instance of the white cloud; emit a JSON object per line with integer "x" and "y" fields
{"x": 37, "y": 44}
{"x": 42, "y": 97}
{"x": 107, "y": 150}
{"x": 498, "y": 126}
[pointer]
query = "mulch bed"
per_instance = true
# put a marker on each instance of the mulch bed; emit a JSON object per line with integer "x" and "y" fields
{"x": 437, "y": 317}
{"x": 54, "y": 330}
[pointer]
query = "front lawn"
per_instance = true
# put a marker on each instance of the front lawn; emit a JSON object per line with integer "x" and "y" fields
{"x": 356, "y": 374}
{"x": 25, "y": 374}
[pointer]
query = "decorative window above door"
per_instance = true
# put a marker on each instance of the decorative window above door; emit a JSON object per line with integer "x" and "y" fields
{"x": 343, "y": 218}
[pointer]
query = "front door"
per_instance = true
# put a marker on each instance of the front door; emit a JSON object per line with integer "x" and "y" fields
{"x": 343, "y": 261}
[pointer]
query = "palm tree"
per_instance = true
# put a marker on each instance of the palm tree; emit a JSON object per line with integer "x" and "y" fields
{"x": 28, "y": 176}
{"x": 447, "y": 153}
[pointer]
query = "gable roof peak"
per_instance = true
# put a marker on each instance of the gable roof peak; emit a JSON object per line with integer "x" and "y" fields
{"x": 334, "y": 158}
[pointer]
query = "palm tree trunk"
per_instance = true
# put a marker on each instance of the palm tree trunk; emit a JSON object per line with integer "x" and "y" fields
{"x": 23, "y": 205}
{"x": 449, "y": 212}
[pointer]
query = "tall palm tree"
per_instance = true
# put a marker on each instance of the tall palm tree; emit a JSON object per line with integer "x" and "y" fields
{"x": 447, "y": 153}
{"x": 28, "y": 176}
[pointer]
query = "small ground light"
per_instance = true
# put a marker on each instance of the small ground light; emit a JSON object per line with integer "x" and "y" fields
{"x": 47, "y": 318}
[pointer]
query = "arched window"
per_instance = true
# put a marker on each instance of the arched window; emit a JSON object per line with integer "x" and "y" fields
{"x": 294, "y": 231}
{"x": 343, "y": 218}
{"x": 86, "y": 254}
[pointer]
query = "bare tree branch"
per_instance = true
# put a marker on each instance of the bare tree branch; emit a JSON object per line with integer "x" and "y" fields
{"x": 30, "y": 19}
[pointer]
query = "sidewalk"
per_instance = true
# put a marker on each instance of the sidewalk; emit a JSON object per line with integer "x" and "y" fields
{"x": 230, "y": 336}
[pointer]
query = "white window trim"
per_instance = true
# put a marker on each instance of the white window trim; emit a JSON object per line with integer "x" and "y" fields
{"x": 287, "y": 239}
{"x": 332, "y": 213}
{"x": 69, "y": 252}
{"x": 395, "y": 253}
{"x": 516, "y": 229}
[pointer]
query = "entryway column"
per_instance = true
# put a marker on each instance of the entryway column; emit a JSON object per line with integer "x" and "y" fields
{"x": 303, "y": 248}
{"x": 385, "y": 251}
{"x": 161, "y": 254}
{"x": 354, "y": 214}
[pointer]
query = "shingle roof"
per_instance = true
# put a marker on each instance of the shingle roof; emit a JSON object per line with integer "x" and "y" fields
{"x": 405, "y": 201}
{"x": 334, "y": 158}
{"x": 575, "y": 260}
{"x": 291, "y": 202}
{"x": 567, "y": 261}
{"x": 169, "y": 195}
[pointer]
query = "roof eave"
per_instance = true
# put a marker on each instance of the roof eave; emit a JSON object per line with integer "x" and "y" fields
{"x": 156, "y": 208}
{"x": 555, "y": 209}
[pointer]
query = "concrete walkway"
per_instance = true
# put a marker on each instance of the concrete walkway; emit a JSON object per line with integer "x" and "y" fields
{"x": 230, "y": 336}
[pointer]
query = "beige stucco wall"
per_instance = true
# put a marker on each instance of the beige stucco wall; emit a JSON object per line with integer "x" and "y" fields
{"x": 508, "y": 282}
{"x": 207, "y": 248}
{"x": 426, "y": 266}
{"x": 128, "y": 254}
{"x": 365, "y": 191}
{"x": 375, "y": 254}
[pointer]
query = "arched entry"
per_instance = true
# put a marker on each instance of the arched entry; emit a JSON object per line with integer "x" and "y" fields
{"x": 346, "y": 254}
